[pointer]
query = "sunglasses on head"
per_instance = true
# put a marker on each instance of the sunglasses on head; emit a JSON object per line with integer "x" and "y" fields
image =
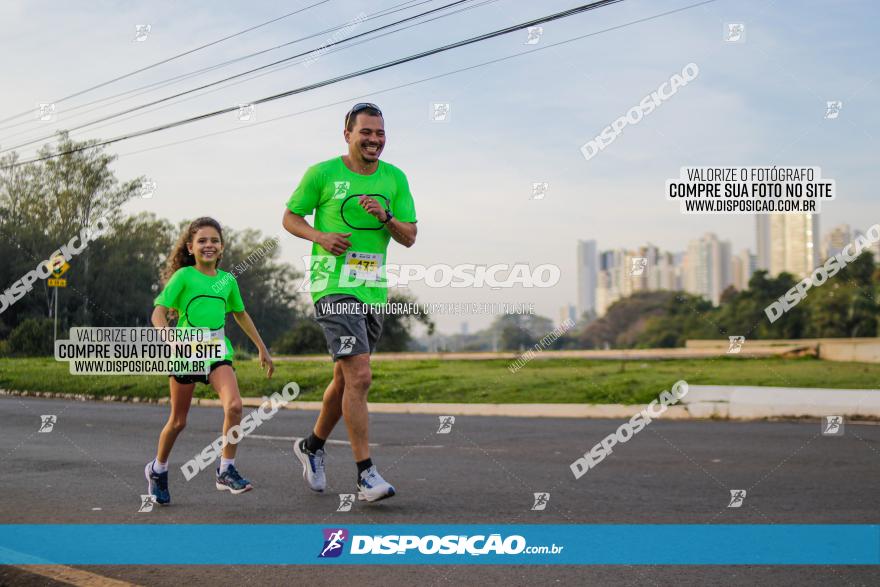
{"x": 360, "y": 107}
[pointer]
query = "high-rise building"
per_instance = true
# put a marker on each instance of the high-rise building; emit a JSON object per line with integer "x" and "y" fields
{"x": 587, "y": 272}
{"x": 736, "y": 269}
{"x": 623, "y": 272}
{"x": 788, "y": 242}
{"x": 762, "y": 241}
{"x": 604, "y": 296}
{"x": 567, "y": 312}
{"x": 648, "y": 277}
{"x": 615, "y": 279}
{"x": 742, "y": 268}
{"x": 834, "y": 241}
{"x": 708, "y": 267}
{"x": 663, "y": 273}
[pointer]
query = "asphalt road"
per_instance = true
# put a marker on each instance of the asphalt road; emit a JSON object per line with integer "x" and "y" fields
{"x": 89, "y": 469}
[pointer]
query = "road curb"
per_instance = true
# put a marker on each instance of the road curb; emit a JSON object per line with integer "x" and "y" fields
{"x": 750, "y": 402}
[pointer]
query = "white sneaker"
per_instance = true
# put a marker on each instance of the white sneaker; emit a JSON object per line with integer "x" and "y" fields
{"x": 372, "y": 487}
{"x": 313, "y": 466}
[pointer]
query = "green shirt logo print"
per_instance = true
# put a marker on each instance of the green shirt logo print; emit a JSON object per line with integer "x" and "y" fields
{"x": 341, "y": 189}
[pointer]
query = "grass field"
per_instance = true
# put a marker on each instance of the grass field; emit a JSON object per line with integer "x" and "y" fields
{"x": 540, "y": 381}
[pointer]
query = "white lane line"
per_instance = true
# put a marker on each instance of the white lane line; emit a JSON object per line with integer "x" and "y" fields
{"x": 298, "y": 438}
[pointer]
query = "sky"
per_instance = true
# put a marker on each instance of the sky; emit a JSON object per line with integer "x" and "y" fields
{"x": 512, "y": 123}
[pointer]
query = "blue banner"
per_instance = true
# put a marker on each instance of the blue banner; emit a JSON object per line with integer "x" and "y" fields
{"x": 265, "y": 544}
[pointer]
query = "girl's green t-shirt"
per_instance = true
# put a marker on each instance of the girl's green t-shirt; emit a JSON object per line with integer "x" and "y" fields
{"x": 202, "y": 301}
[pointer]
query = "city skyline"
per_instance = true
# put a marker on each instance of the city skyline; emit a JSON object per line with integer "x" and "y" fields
{"x": 793, "y": 243}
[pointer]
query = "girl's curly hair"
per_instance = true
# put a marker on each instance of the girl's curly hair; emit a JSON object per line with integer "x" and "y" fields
{"x": 180, "y": 256}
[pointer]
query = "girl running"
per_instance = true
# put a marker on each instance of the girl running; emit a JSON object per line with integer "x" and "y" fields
{"x": 201, "y": 295}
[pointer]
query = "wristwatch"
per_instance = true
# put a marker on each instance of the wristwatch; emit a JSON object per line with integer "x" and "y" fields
{"x": 388, "y": 217}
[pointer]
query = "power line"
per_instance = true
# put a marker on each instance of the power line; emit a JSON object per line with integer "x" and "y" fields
{"x": 486, "y": 36}
{"x": 172, "y": 58}
{"x": 297, "y": 62}
{"x": 244, "y": 73}
{"x": 419, "y": 81}
{"x": 169, "y": 81}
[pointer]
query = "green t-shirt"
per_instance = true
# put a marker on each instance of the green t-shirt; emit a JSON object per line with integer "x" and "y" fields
{"x": 360, "y": 271}
{"x": 202, "y": 301}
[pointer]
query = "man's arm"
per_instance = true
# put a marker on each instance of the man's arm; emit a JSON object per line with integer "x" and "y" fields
{"x": 402, "y": 232}
{"x": 334, "y": 242}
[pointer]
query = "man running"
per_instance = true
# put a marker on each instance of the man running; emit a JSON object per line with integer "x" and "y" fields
{"x": 360, "y": 204}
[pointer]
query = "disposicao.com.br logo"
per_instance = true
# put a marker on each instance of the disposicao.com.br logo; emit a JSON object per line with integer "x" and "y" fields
{"x": 429, "y": 544}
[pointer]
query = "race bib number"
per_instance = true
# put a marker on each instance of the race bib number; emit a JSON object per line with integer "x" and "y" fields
{"x": 362, "y": 265}
{"x": 202, "y": 352}
{"x": 218, "y": 338}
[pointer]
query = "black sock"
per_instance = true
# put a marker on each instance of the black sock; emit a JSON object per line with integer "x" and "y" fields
{"x": 313, "y": 443}
{"x": 364, "y": 465}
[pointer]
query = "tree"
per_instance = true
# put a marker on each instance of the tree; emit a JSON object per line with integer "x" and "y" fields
{"x": 686, "y": 316}
{"x": 125, "y": 274}
{"x": 397, "y": 328}
{"x": 514, "y": 332}
{"x": 43, "y": 205}
{"x": 846, "y": 305}
{"x": 626, "y": 319}
{"x": 32, "y": 338}
{"x": 514, "y": 337}
{"x": 751, "y": 315}
{"x": 78, "y": 188}
{"x": 305, "y": 338}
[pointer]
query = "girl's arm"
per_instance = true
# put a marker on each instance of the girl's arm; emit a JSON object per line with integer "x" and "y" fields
{"x": 244, "y": 321}
{"x": 158, "y": 318}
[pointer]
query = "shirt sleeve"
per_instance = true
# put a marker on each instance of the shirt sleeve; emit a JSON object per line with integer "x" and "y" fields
{"x": 402, "y": 206}
{"x": 172, "y": 292}
{"x": 307, "y": 195}
{"x": 234, "y": 303}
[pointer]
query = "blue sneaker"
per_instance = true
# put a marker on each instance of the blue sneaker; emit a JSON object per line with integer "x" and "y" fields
{"x": 231, "y": 479}
{"x": 157, "y": 484}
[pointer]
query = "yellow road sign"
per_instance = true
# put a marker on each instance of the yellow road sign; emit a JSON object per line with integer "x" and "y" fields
{"x": 58, "y": 266}
{"x": 57, "y": 282}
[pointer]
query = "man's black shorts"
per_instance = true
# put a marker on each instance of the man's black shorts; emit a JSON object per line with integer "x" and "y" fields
{"x": 200, "y": 378}
{"x": 350, "y": 326}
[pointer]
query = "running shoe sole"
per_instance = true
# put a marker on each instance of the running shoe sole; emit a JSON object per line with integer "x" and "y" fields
{"x": 363, "y": 497}
{"x": 222, "y": 487}
{"x": 150, "y": 482}
{"x": 304, "y": 460}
